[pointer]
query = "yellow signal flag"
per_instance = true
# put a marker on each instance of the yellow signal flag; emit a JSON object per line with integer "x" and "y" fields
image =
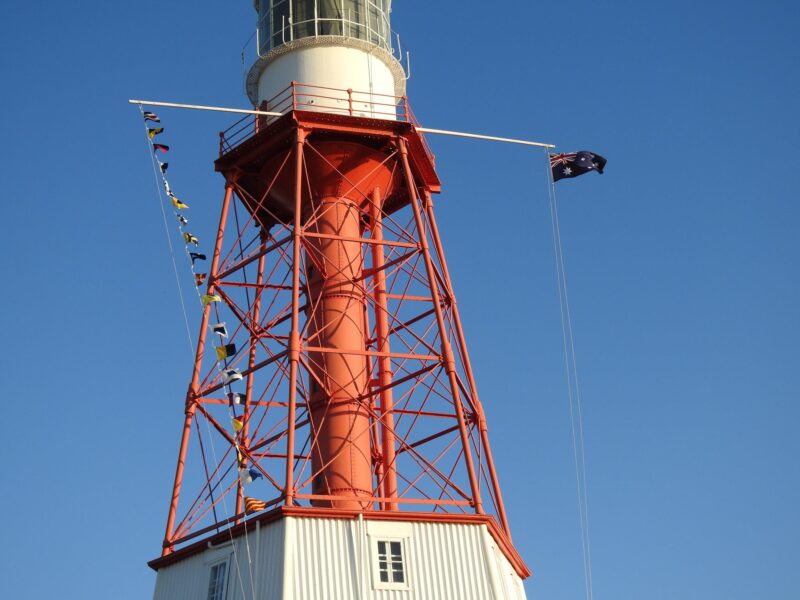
{"x": 177, "y": 203}
{"x": 190, "y": 239}
{"x": 209, "y": 298}
{"x": 154, "y": 131}
{"x": 225, "y": 351}
{"x": 238, "y": 423}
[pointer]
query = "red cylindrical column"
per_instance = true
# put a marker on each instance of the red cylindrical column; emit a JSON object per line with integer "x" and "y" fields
{"x": 341, "y": 458}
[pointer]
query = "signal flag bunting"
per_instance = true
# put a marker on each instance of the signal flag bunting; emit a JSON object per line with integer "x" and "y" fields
{"x": 252, "y": 505}
{"x": 231, "y": 375}
{"x": 209, "y": 298}
{"x": 247, "y": 476}
{"x": 225, "y": 351}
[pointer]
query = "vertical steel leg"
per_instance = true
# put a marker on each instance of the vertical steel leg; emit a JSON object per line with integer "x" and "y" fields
{"x": 254, "y": 337}
{"x": 191, "y": 395}
{"x": 384, "y": 361}
{"x": 447, "y": 350}
{"x": 462, "y": 347}
{"x": 294, "y": 336}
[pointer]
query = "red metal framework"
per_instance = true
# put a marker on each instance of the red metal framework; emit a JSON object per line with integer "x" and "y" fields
{"x": 359, "y": 395}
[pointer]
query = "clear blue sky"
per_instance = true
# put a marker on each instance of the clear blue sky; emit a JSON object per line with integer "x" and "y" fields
{"x": 682, "y": 262}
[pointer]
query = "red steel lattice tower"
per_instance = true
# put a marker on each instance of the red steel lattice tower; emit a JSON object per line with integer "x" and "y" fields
{"x": 357, "y": 397}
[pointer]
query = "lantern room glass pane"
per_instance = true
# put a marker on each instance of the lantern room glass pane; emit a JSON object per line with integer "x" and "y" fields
{"x": 302, "y": 18}
{"x": 281, "y": 21}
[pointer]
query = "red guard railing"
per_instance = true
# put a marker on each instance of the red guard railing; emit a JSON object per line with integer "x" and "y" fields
{"x": 315, "y": 98}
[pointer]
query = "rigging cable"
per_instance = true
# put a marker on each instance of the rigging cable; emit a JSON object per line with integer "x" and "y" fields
{"x": 573, "y": 387}
{"x": 219, "y": 366}
{"x": 161, "y": 201}
{"x": 153, "y": 160}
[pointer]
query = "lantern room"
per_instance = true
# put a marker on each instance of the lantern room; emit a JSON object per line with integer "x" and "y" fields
{"x": 282, "y": 21}
{"x": 342, "y": 50}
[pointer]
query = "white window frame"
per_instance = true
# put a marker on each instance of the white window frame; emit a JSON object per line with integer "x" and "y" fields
{"x": 377, "y": 584}
{"x": 215, "y": 561}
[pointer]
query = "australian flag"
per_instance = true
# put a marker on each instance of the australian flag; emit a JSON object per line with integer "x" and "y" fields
{"x": 572, "y": 164}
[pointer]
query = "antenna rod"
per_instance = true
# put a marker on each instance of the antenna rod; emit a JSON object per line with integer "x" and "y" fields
{"x": 277, "y": 114}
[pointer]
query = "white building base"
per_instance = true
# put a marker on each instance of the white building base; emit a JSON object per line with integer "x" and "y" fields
{"x": 355, "y": 558}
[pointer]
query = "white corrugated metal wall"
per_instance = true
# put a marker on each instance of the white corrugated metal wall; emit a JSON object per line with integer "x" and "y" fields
{"x": 334, "y": 559}
{"x": 255, "y": 561}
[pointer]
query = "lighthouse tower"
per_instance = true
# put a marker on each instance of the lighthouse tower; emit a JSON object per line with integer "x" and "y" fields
{"x": 334, "y": 444}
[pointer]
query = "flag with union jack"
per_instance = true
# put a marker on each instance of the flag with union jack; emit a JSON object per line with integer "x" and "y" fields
{"x": 572, "y": 164}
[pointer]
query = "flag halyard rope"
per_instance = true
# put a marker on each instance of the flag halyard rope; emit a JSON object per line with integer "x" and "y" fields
{"x": 160, "y": 168}
{"x": 154, "y": 160}
{"x": 573, "y": 386}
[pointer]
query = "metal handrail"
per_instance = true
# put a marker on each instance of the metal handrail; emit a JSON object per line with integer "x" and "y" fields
{"x": 300, "y": 96}
{"x": 378, "y": 33}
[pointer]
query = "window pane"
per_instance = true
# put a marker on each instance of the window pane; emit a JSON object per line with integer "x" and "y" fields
{"x": 354, "y": 10}
{"x": 329, "y": 9}
{"x": 390, "y": 562}
{"x": 397, "y": 572}
{"x": 280, "y": 20}
{"x": 216, "y": 581}
{"x": 303, "y": 18}
{"x": 330, "y": 15}
{"x": 374, "y": 20}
